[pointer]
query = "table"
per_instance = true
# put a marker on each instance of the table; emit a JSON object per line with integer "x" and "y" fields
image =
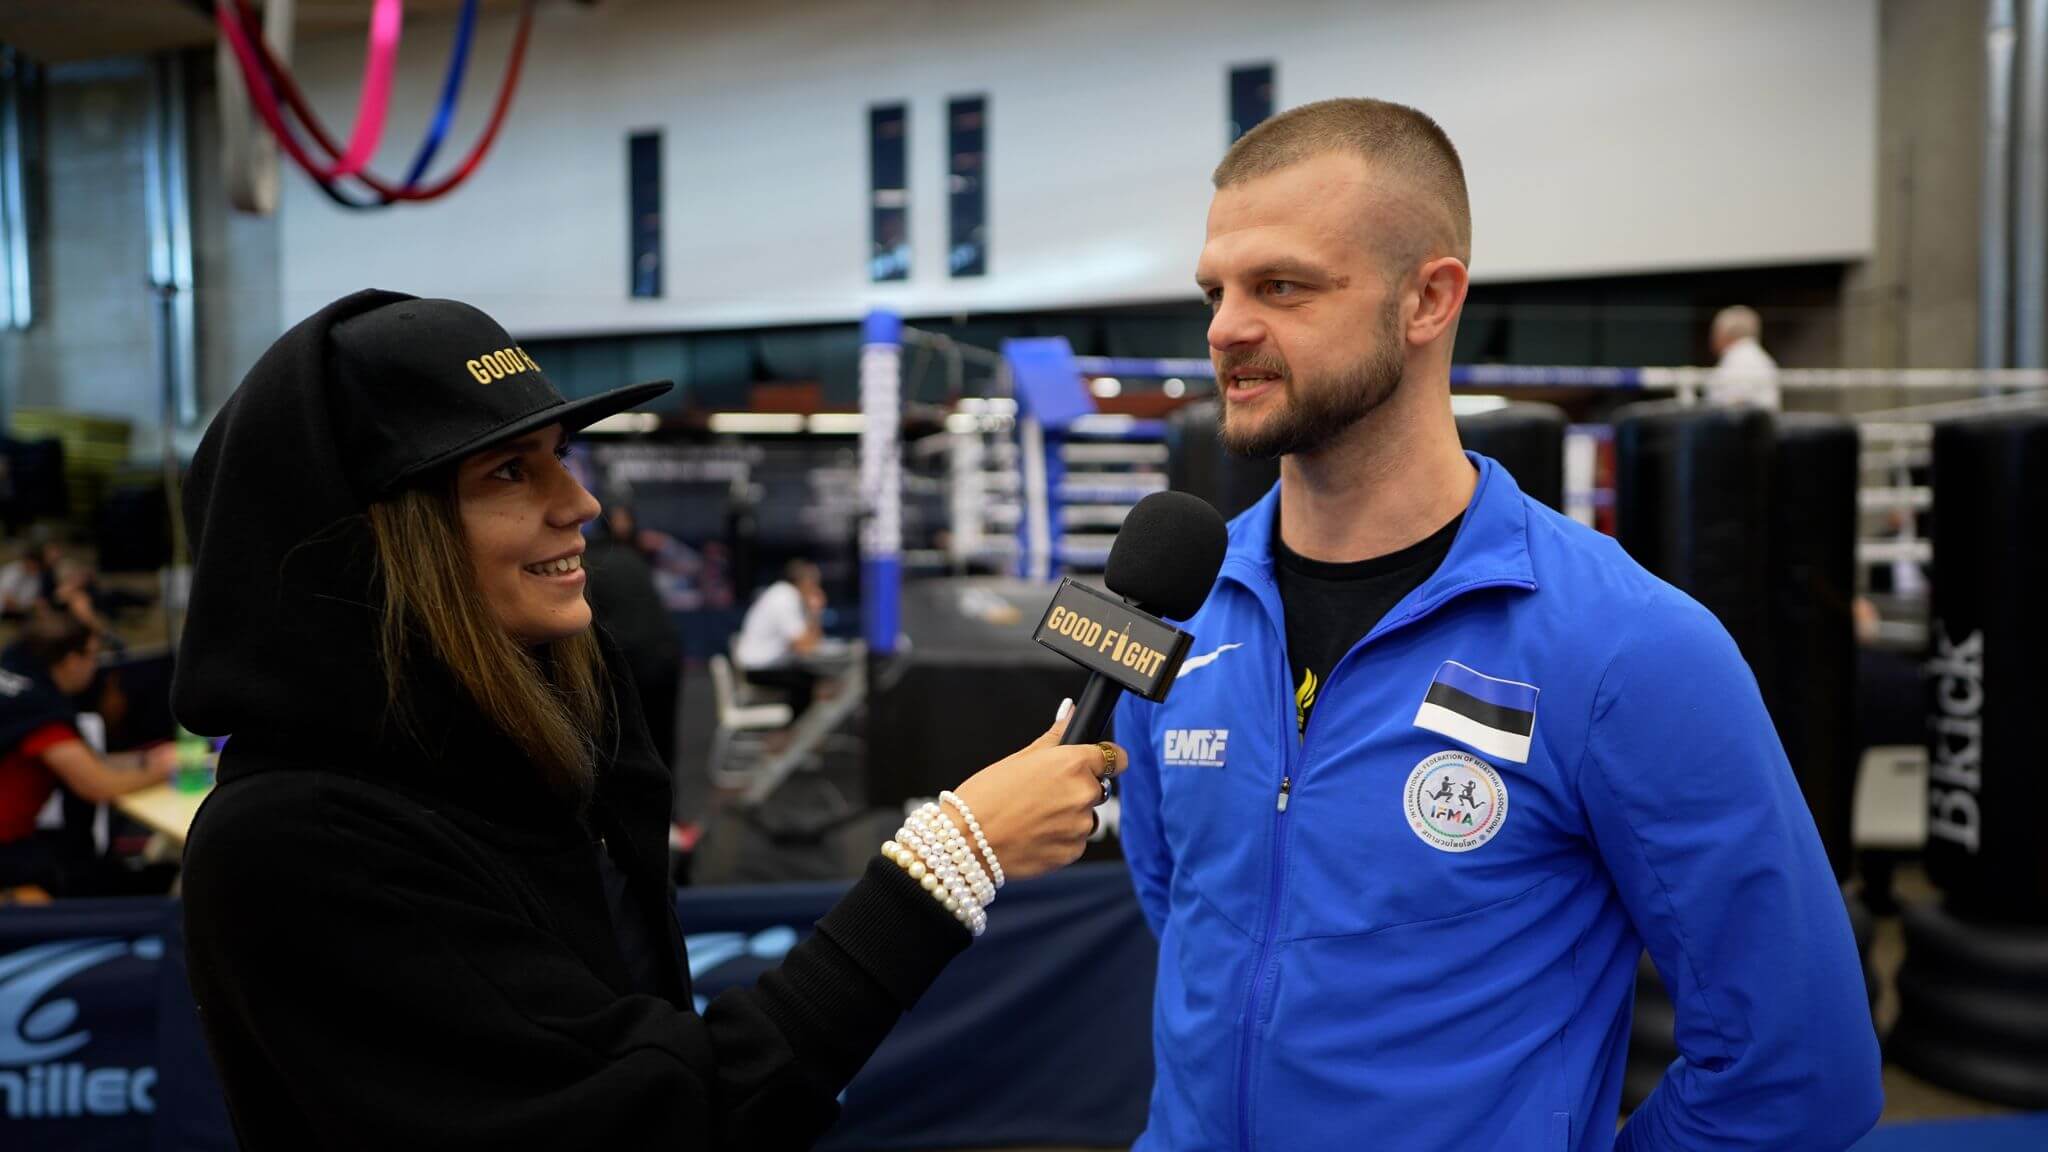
{"x": 163, "y": 809}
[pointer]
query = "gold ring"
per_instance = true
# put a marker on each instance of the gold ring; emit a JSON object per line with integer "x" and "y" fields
{"x": 1108, "y": 758}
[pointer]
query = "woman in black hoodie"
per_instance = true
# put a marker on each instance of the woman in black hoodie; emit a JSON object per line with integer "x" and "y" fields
{"x": 426, "y": 905}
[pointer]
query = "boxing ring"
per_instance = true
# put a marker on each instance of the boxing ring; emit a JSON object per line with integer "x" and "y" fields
{"x": 1038, "y": 479}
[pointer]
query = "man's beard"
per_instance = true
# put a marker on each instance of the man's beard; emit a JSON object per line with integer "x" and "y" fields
{"x": 1314, "y": 412}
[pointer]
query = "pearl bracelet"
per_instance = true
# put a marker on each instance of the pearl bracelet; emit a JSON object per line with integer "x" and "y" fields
{"x": 974, "y": 828}
{"x": 946, "y": 860}
{"x": 908, "y": 859}
{"x": 946, "y": 837}
{"x": 921, "y": 845}
{"x": 920, "y": 839}
{"x": 963, "y": 855}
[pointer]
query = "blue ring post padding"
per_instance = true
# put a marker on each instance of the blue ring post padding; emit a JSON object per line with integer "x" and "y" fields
{"x": 881, "y": 570}
{"x": 880, "y": 602}
{"x": 881, "y": 328}
{"x": 451, "y": 89}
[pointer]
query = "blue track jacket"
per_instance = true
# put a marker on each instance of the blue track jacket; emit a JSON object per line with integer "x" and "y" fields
{"x": 1416, "y": 927}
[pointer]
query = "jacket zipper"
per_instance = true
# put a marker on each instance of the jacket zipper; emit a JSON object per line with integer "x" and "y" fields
{"x": 1261, "y": 982}
{"x": 1257, "y": 988}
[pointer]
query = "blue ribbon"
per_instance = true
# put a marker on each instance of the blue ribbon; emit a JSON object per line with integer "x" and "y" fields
{"x": 451, "y": 89}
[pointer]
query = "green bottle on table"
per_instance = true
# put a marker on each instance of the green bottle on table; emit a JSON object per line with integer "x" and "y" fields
{"x": 195, "y": 763}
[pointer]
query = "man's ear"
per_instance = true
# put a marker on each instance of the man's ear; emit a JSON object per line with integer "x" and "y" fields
{"x": 1440, "y": 288}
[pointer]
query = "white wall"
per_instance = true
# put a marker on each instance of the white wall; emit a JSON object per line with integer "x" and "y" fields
{"x": 1598, "y": 136}
{"x": 93, "y": 347}
{"x": 93, "y": 344}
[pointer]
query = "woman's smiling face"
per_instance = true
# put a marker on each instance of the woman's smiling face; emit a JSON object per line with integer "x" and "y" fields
{"x": 523, "y": 514}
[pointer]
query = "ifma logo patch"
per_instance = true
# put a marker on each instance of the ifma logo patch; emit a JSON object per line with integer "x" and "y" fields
{"x": 1455, "y": 801}
{"x": 1195, "y": 747}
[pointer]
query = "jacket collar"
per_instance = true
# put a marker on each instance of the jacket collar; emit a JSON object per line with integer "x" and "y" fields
{"x": 1492, "y": 547}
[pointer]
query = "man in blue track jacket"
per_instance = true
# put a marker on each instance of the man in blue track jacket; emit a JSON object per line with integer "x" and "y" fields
{"x": 1442, "y": 762}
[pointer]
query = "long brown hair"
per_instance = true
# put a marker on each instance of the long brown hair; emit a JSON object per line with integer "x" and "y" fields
{"x": 554, "y": 710}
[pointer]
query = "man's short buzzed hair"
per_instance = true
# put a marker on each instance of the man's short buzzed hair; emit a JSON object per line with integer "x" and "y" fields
{"x": 1391, "y": 137}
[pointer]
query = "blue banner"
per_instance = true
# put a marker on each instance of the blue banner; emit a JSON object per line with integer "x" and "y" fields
{"x": 1042, "y": 1028}
{"x": 1041, "y": 1031}
{"x": 78, "y": 1004}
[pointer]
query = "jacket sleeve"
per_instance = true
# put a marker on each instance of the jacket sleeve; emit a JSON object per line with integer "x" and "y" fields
{"x": 1714, "y": 853}
{"x": 397, "y": 997}
{"x": 1142, "y": 831}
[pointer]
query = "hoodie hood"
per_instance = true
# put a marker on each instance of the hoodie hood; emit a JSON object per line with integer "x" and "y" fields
{"x": 280, "y": 631}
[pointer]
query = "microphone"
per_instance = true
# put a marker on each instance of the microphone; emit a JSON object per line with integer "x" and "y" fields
{"x": 1163, "y": 563}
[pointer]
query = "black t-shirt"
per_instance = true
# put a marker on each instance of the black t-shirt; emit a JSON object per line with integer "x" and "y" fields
{"x": 1330, "y": 607}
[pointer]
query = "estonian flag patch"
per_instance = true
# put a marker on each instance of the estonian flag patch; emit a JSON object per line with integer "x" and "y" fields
{"x": 1494, "y": 716}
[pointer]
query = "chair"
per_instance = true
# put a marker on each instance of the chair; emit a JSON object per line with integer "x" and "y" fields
{"x": 746, "y": 692}
{"x": 738, "y": 723}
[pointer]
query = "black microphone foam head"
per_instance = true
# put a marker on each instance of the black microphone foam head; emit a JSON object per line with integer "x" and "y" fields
{"x": 1167, "y": 553}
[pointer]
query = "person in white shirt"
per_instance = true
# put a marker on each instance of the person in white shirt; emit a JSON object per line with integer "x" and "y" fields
{"x": 33, "y": 576}
{"x": 1744, "y": 373}
{"x": 781, "y": 627}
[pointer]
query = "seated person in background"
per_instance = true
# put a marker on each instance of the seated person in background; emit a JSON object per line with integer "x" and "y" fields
{"x": 76, "y": 591}
{"x": 783, "y": 625}
{"x": 30, "y": 577}
{"x": 53, "y": 663}
{"x": 43, "y": 579}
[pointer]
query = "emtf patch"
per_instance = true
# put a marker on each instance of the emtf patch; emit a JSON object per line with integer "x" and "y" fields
{"x": 1195, "y": 747}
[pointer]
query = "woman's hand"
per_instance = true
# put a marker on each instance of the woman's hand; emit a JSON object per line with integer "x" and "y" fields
{"x": 1037, "y": 806}
{"x": 160, "y": 762}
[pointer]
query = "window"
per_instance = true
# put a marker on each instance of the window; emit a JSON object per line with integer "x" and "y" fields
{"x": 967, "y": 185}
{"x": 1251, "y": 97}
{"x": 889, "y": 192}
{"x": 643, "y": 240}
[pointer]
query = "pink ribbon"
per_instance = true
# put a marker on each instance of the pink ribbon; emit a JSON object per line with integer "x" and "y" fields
{"x": 386, "y": 23}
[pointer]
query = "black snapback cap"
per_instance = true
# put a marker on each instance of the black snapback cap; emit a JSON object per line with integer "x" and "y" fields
{"x": 421, "y": 383}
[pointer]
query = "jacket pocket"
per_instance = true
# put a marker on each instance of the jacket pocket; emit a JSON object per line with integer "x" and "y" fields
{"x": 1560, "y": 1137}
